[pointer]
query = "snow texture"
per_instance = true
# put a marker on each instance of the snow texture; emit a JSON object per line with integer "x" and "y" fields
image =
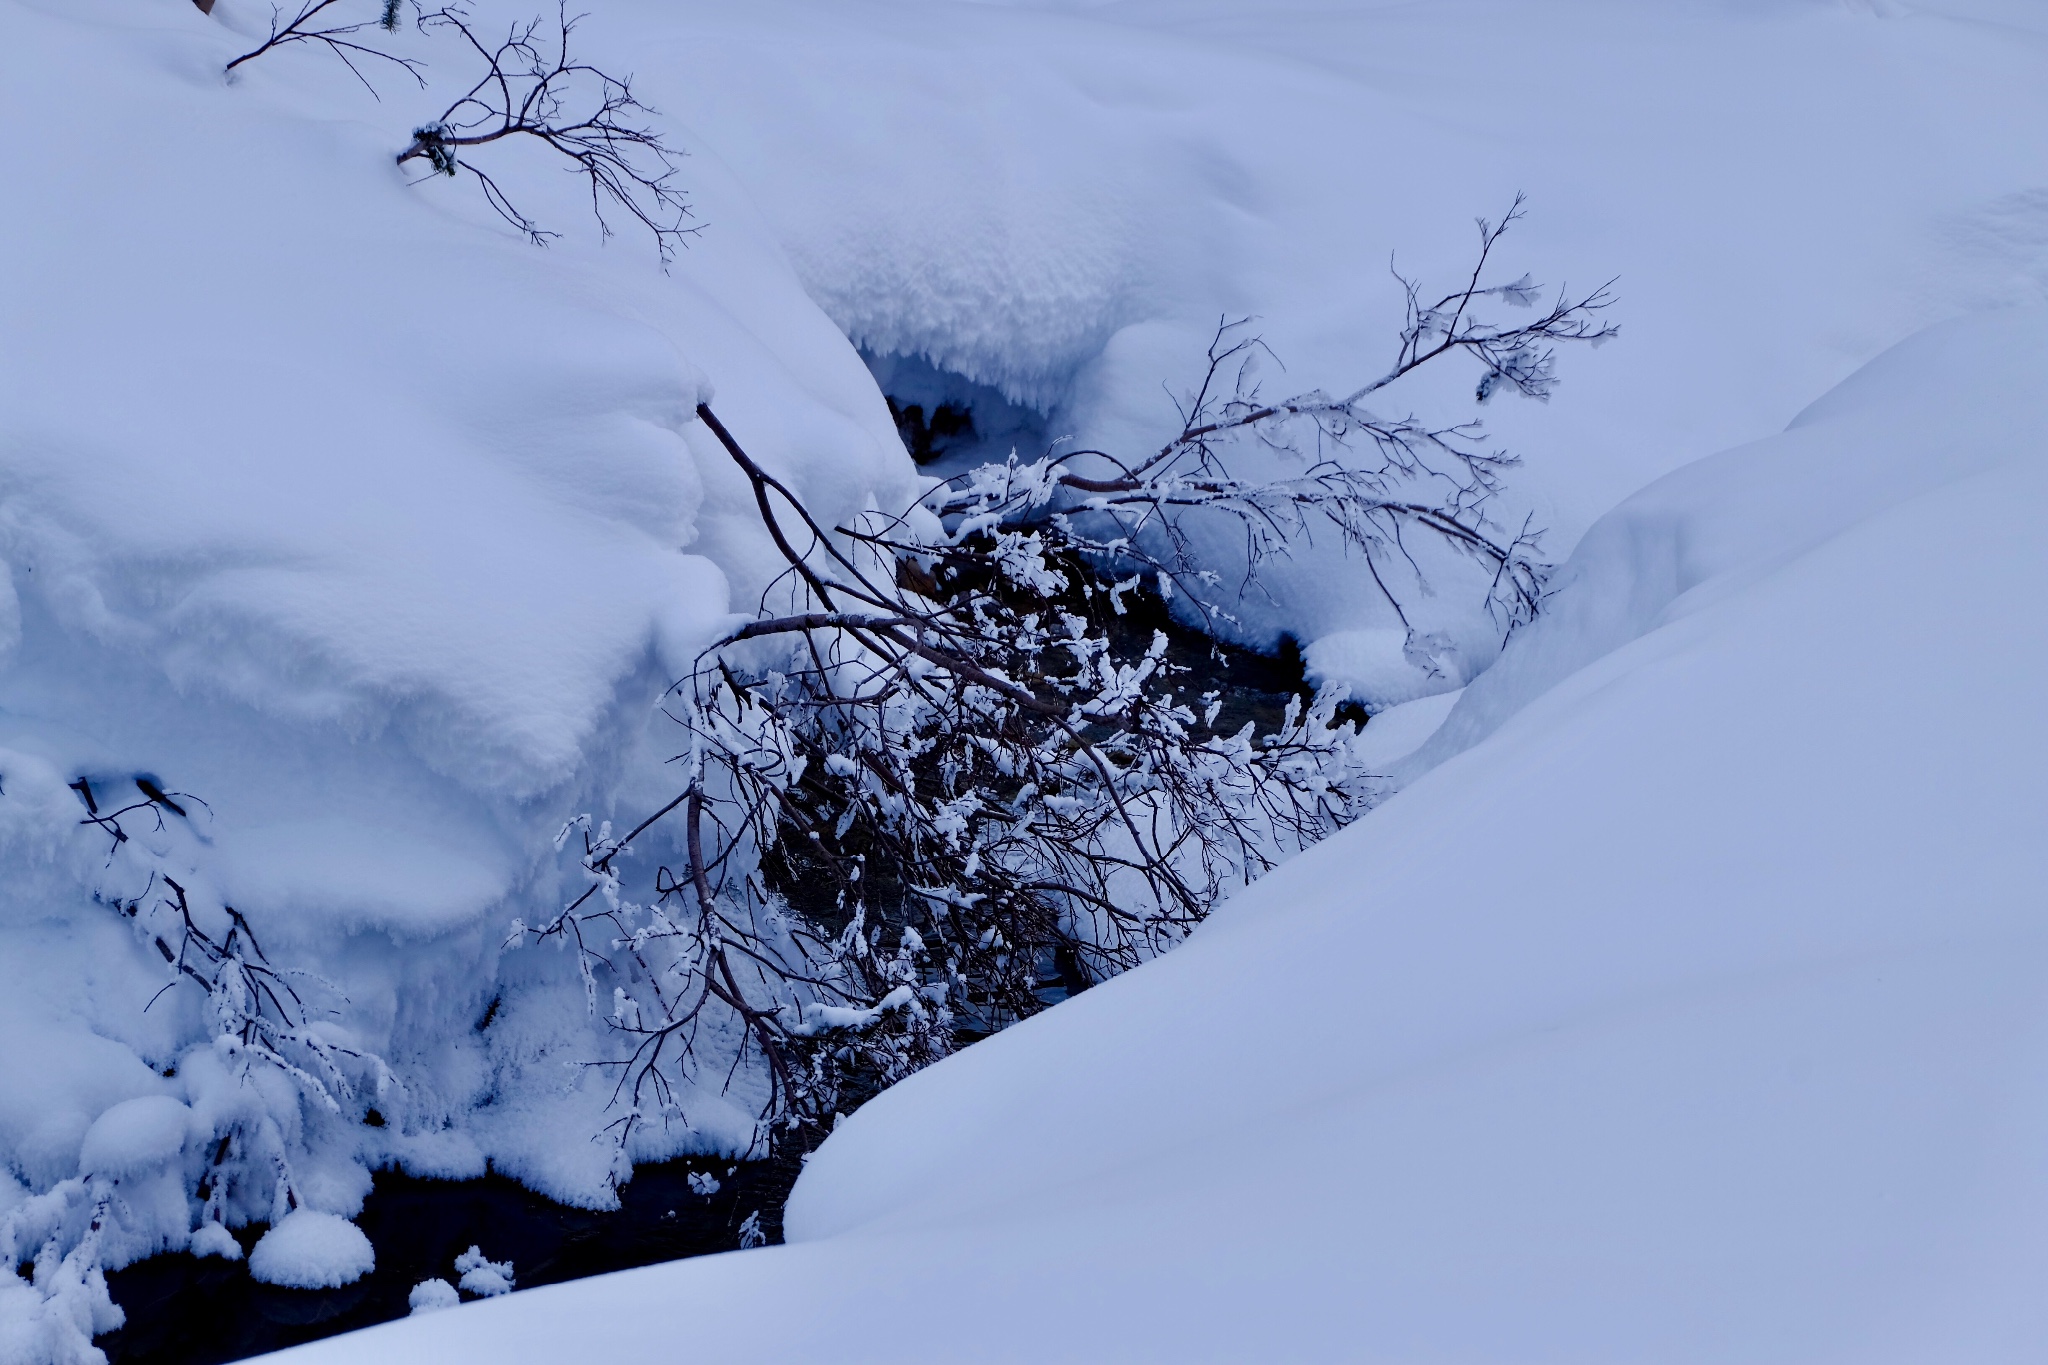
{"x": 312, "y": 1250}
{"x": 1060, "y": 199}
{"x": 135, "y": 1137}
{"x": 375, "y": 533}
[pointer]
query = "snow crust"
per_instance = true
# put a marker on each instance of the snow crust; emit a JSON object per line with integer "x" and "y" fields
{"x": 1687, "y": 1010}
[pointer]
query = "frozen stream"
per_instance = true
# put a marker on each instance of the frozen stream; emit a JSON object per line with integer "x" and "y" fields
{"x": 187, "y": 1311}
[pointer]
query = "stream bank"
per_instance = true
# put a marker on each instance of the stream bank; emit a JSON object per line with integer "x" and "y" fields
{"x": 185, "y": 1310}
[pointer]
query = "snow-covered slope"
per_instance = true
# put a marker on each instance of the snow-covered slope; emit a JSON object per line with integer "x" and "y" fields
{"x": 1692, "y": 1013}
{"x": 374, "y": 530}
{"x": 336, "y": 505}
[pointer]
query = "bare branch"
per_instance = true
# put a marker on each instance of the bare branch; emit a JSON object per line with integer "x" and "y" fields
{"x": 533, "y": 88}
{"x": 308, "y": 26}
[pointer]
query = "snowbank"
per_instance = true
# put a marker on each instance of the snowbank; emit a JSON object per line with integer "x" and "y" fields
{"x": 1692, "y": 1013}
{"x": 367, "y": 534}
{"x": 135, "y": 1137}
{"x": 347, "y": 541}
{"x": 312, "y": 1250}
{"x": 1061, "y": 198}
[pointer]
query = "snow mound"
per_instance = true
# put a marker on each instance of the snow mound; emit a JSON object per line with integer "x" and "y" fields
{"x": 482, "y": 1276}
{"x": 430, "y": 1296}
{"x": 312, "y": 1250}
{"x": 1384, "y": 668}
{"x": 135, "y": 1136}
{"x": 211, "y": 1239}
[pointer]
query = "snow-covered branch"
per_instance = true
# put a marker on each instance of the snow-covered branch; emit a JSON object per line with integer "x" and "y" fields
{"x": 944, "y": 778}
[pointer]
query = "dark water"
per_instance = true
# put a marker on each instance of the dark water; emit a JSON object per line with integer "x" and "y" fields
{"x": 185, "y": 1311}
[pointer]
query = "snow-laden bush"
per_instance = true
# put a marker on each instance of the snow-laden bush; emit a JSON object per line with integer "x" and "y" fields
{"x": 156, "y": 1174}
{"x": 938, "y": 730}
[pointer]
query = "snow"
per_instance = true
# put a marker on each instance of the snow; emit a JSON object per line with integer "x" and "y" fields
{"x": 308, "y": 1249}
{"x": 1686, "y": 1010}
{"x": 430, "y": 1296}
{"x": 135, "y": 1137}
{"x": 1383, "y": 667}
{"x": 211, "y": 1239}
{"x": 1678, "y": 1006}
{"x": 1060, "y": 200}
{"x": 1399, "y": 731}
{"x": 481, "y": 1276}
{"x": 374, "y": 533}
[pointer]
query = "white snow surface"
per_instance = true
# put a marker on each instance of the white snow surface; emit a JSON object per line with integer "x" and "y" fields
{"x": 308, "y": 1249}
{"x": 211, "y": 1239}
{"x": 135, "y": 1137}
{"x": 1061, "y": 199}
{"x": 375, "y": 532}
{"x": 1688, "y": 1010}
{"x": 1676, "y": 1010}
{"x": 482, "y": 1276}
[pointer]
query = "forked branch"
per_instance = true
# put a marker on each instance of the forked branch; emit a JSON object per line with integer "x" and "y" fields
{"x": 312, "y": 24}
{"x": 533, "y": 88}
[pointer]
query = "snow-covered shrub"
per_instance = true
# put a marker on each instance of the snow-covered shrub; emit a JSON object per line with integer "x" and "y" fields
{"x": 156, "y": 1173}
{"x": 938, "y": 772}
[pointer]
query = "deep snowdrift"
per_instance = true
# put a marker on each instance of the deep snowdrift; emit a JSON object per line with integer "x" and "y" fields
{"x": 1692, "y": 1014}
{"x": 376, "y": 531}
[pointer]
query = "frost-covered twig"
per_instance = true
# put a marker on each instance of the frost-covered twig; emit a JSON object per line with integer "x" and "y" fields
{"x": 253, "y": 1010}
{"x": 1372, "y": 477}
{"x": 254, "y": 1028}
{"x": 65, "y": 1304}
